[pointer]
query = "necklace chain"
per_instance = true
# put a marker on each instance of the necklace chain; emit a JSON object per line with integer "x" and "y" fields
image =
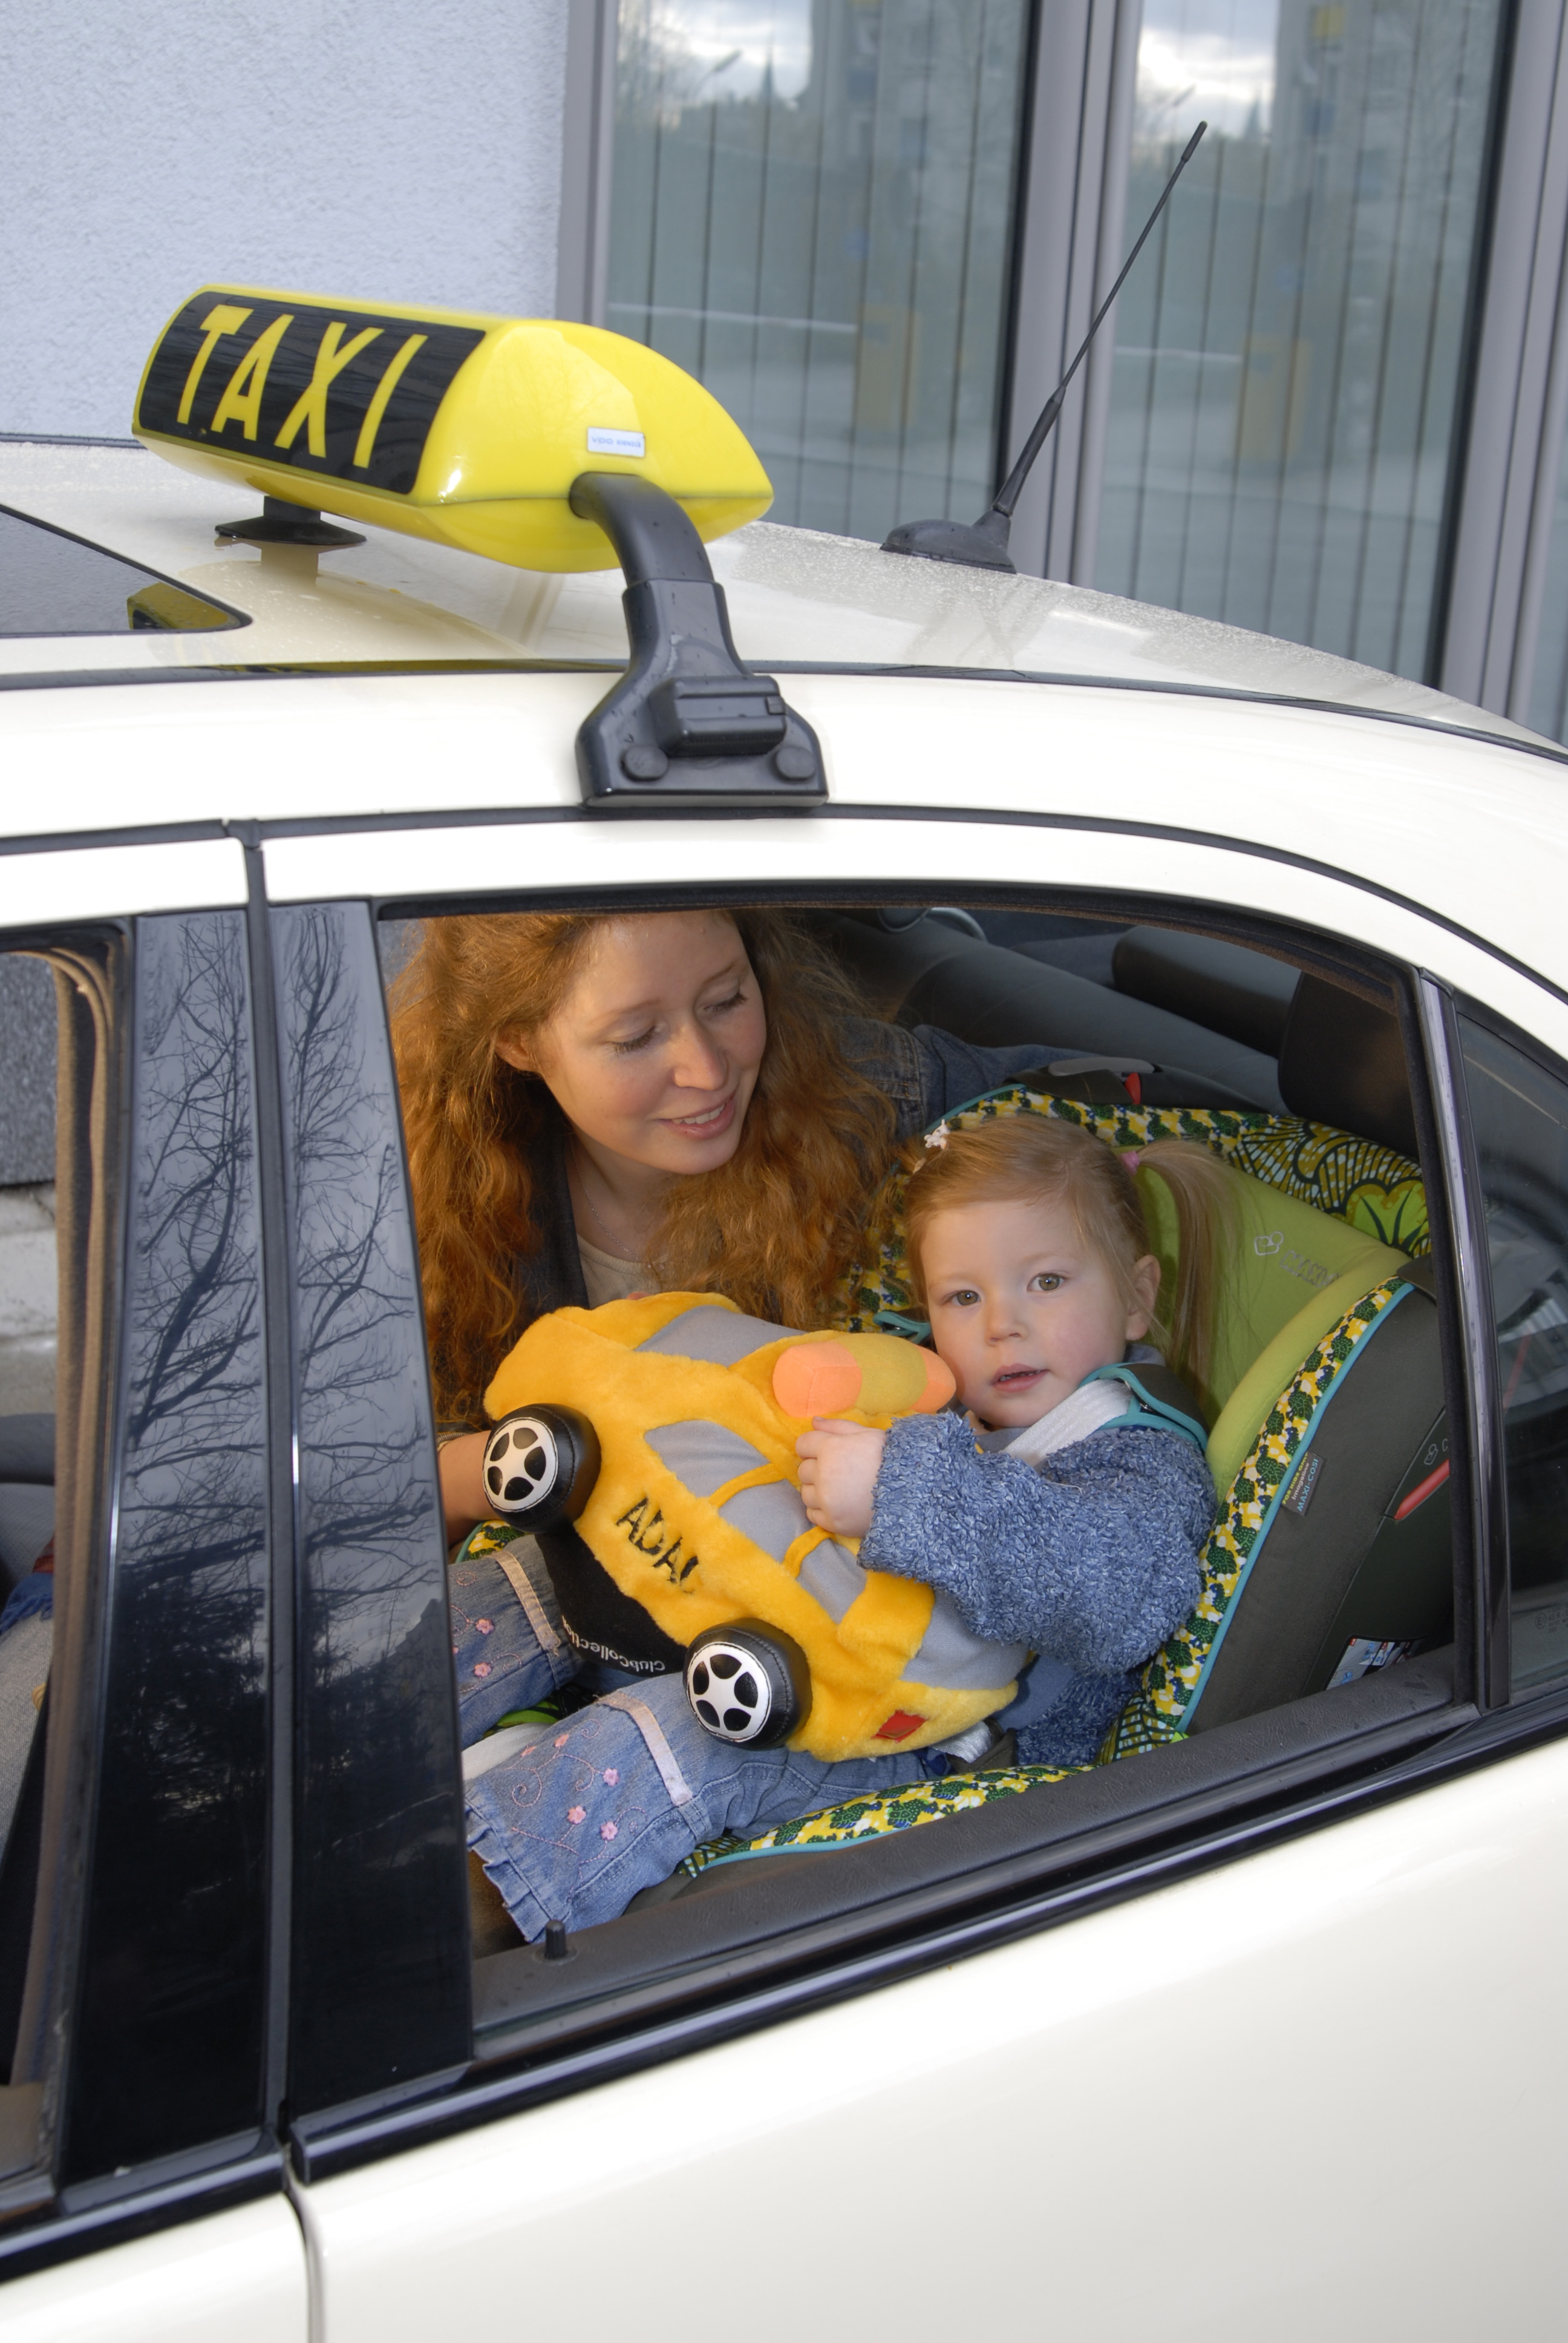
{"x": 597, "y": 1218}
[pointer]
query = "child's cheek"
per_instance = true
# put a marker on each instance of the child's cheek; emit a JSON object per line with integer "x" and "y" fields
{"x": 972, "y": 1389}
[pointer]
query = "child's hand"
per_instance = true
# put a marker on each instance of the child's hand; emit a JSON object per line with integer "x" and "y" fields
{"x": 839, "y": 1467}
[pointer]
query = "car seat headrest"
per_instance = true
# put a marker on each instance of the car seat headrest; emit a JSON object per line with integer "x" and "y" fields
{"x": 1343, "y": 1062}
{"x": 1244, "y": 994}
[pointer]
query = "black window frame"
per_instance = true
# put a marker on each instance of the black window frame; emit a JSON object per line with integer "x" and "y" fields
{"x": 1451, "y": 1004}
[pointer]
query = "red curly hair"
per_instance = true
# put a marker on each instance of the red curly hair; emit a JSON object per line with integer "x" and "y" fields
{"x": 774, "y": 1228}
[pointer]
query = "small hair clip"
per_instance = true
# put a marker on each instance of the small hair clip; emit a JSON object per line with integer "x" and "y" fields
{"x": 1131, "y": 1159}
{"x": 939, "y": 1137}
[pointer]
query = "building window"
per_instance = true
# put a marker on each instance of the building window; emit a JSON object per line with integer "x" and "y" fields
{"x": 1289, "y": 351}
{"x": 1548, "y": 708}
{"x": 812, "y": 213}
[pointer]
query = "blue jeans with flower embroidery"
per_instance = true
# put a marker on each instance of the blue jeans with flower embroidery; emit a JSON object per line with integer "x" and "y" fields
{"x": 509, "y": 1647}
{"x": 571, "y": 1820}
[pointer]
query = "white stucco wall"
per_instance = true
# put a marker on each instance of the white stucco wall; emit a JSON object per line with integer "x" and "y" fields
{"x": 400, "y": 150}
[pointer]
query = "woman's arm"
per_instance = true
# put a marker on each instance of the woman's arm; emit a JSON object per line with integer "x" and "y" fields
{"x": 460, "y": 1463}
{"x": 928, "y": 1073}
{"x": 1093, "y": 1562}
{"x": 953, "y": 1071}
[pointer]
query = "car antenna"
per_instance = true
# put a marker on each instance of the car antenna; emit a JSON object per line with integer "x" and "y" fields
{"x": 984, "y": 544}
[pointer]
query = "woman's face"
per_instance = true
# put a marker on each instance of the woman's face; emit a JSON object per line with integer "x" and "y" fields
{"x": 654, "y": 1053}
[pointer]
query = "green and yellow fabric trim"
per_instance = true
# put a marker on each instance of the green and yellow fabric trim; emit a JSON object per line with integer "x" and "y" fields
{"x": 864, "y": 1817}
{"x": 1173, "y": 1678}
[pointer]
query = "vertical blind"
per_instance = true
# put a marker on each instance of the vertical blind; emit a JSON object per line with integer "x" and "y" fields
{"x": 1289, "y": 351}
{"x": 812, "y": 212}
{"x": 1548, "y": 710}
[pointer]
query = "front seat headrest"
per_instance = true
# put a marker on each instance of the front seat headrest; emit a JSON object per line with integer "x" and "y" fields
{"x": 1343, "y": 1062}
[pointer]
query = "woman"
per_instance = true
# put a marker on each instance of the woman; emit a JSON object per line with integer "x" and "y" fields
{"x": 599, "y": 1104}
{"x": 676, "y": 1100}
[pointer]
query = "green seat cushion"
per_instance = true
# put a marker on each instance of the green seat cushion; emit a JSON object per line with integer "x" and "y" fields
{"x": 1290, "y": 1275}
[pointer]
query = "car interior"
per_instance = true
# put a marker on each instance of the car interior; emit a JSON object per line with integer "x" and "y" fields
{"x": 29, "y": 1349}
{"x": 1340, "y": 1629}
{"x": 58, "y": 1183}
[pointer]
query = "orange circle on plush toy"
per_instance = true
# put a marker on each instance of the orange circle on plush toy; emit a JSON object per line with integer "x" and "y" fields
{"x": 816, "y": 1379}
{"x": 940, "y": 1385}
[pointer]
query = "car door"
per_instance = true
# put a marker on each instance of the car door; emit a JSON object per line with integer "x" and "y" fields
{"x": 143, "y": 2189}
{"x": 1232, "y": 2077}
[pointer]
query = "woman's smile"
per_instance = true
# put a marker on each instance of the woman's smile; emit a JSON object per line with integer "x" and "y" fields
{"x": 706, "y": 1123}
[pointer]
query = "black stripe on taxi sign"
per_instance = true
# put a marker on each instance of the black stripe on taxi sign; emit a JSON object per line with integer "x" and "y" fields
{"x": 350, "y": 393}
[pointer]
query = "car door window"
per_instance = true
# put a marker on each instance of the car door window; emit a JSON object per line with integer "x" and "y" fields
{"x": 58, "y": 1239}
{"x": 1300, "y": 1084}
{"x": 1519, "y": 1113}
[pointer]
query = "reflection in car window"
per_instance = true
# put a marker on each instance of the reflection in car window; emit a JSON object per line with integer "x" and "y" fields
{"x": 1520, "y": 1115}
{"x": 174, "y": 1928}
{"x": 51, "y": 584}
{"x": 375, "y": 1645}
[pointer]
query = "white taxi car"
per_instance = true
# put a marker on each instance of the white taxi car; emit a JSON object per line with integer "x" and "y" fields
{"x": 1253, "y": 2031}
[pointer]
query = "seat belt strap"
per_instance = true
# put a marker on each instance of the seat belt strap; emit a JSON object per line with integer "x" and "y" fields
{"x": 1152, "y": 1410}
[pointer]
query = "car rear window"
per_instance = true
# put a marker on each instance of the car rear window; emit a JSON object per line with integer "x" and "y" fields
{"x": 53, "y": 584}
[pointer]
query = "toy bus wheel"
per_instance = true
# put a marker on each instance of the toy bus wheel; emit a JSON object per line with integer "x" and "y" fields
{"x": 748, "y": 1684}
{"x": 541, "y": 1465}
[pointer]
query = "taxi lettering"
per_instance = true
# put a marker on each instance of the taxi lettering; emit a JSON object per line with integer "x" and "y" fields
{"x": 345, "y": 393}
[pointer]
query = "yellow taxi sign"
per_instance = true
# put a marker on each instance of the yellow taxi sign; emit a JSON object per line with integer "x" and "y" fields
{"x": 467, "y": 428}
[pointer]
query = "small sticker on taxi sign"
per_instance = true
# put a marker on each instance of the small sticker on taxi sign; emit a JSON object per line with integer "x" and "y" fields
{"x": 616, "y": 443}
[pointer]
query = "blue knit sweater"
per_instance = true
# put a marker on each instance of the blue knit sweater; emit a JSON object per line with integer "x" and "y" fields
{"x": 1089, "y": 1557}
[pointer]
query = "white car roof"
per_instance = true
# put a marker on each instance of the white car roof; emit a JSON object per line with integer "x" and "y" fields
{"x": 403, "y": 684}
{"x": 796, "y": 596}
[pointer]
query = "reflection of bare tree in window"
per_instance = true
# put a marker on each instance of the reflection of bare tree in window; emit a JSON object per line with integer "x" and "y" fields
{"x": 364, "y": 1472}
{"x": 382, "y": 1928}
{"x": 177, "y": 1917}
{"x": 192, "y": 1495}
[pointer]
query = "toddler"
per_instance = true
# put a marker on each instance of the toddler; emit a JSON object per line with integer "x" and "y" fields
{"x": 1065, "y": 1512}
{"x": 1073, "y": 1523}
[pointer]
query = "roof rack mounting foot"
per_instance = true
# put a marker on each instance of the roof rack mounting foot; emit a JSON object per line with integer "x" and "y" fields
{"x": 280, "y": 523}
{"x": 688, "y": 724}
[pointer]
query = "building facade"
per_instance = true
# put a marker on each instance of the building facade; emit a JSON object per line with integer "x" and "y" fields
{"x": 1331, "y": 402}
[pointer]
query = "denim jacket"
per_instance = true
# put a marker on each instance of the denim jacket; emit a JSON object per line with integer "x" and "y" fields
{"x": 925, "y": 1071}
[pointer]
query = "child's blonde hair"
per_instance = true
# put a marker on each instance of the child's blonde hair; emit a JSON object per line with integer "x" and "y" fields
{"x": 1034, "y": 1159}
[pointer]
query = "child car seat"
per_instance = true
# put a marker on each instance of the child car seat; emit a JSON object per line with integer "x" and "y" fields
{"x": 1353, "y": 1566}
{"x": 1330, "y": 1551}
{"x": 1326, "y": 1227}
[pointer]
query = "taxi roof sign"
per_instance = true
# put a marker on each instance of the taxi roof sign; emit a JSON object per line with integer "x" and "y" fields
{"x": 466, "y": 428}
